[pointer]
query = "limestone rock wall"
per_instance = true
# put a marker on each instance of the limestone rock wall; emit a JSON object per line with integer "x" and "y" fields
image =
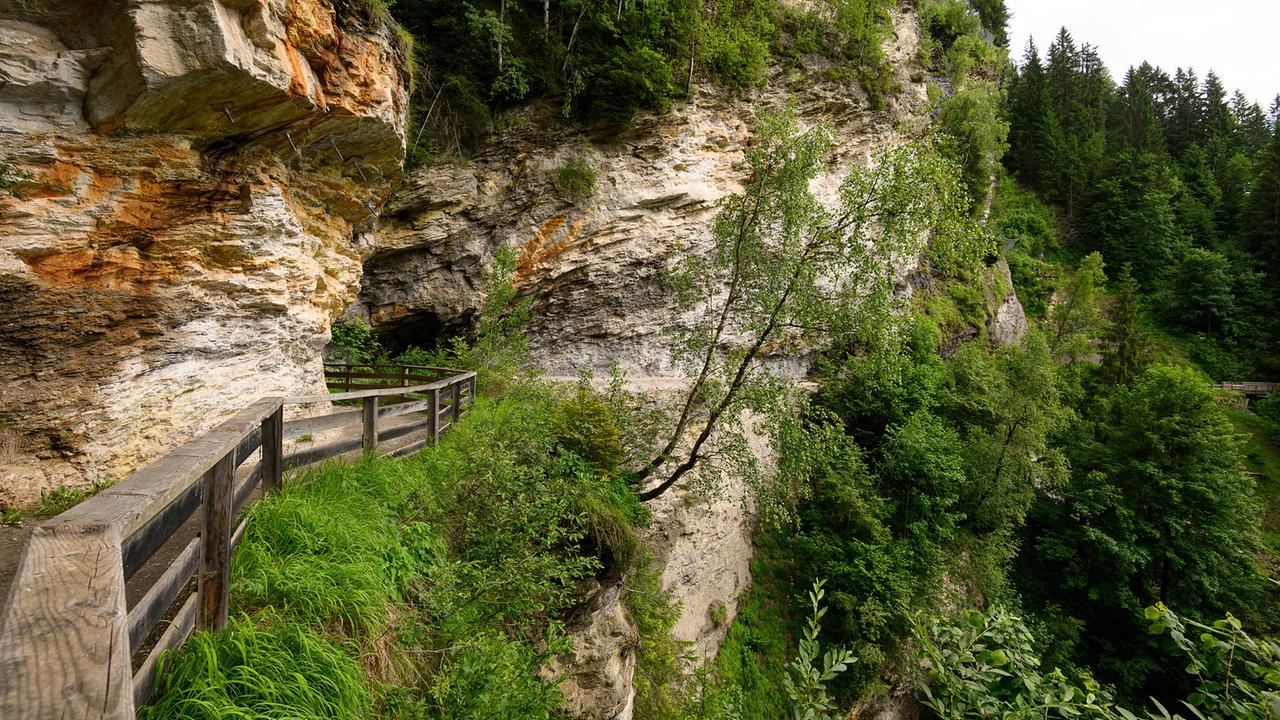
{"x": 164, "y": 263}
{"x": 591, "y": 268}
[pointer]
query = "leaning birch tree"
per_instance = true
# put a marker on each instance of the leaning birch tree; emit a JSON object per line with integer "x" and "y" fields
{"x": 785, "y": 268}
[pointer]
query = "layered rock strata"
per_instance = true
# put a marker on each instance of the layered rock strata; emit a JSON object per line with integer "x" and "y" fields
{"x": 180, "y": 233}
{"x": 591, "y": 268}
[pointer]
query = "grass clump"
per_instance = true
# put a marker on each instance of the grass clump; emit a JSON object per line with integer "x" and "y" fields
{"x": 65, "y": 497}
{"x": 574, "y": 181}
{"x": 260, "y": 667}
{"x": 321, "y": 551}
{"x": 11, "y": 516}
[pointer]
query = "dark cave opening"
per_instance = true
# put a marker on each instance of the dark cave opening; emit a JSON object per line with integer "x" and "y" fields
{"x": 426, "y": 330}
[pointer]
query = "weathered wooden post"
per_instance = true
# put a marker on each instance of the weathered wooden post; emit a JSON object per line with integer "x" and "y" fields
{"x": 404, "y": 376}
{"x": 433, "y": 415}
{"x": 215, "y": 545}
{"x": 346, "y": 370}
{"x": 369, "y": 416}
{"x": 457, "y": 401}
{"x": 272, "y": 451}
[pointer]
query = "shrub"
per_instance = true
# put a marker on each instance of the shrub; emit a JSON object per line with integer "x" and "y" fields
{"x": 353, "y": 342}
{"x": 574, "y": 181}
{"x": 735, "y": 55}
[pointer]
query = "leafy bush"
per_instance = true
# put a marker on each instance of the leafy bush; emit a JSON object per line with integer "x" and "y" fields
{"x": 575, "y": 181}
{"x": 65, "y": 497}
{"x": 975, "y": 137}
{"x": 1268, "y": 408}
{"x": 984, "y": 665}
{"x": 947, "y": 20}
{"x": 354, "y": 343}
{"x": 735, "y": 54}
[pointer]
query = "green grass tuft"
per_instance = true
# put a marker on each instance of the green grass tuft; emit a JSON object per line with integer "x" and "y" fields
{"x": 264, "y": 667}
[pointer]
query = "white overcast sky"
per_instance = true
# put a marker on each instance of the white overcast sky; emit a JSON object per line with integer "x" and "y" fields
{"x": 1239, "y": 39}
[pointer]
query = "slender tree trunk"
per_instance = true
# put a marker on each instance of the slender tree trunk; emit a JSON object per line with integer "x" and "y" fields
{"x": 502, "y": 20}
{"x": 686, "y": 413}
{"x": 730, "y": 395}
{"x": 546, "y": 18}
{"x": 573, "y": 35}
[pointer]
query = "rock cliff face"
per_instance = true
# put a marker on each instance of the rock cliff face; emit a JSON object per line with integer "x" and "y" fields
{"x": 171, "y": 256}
{"x": 591, "y": 267}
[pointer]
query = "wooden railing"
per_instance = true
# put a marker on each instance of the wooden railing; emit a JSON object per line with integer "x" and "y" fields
{"x": 68, "y": 636}
{"x": 1248, "y": 388}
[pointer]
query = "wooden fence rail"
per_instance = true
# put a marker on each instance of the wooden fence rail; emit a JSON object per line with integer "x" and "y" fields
{"x": 68, "y": 637}
{"x": 1248, "y": 388}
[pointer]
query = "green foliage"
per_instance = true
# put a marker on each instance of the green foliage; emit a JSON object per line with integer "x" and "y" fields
{"x": 12, "y": 178}
{"x": 320, "y": 552}
{"x": 11, "y": 516}
{"x": 806, "y": 679}
{"x": 776, "y": 250}
{"x": 1268, "y": 408}
{"x": 976, "y": 137}
{"x": 1034, "y": 280}
{"x": 354, "y": 343}
{"x": 947, "y": 20}
{"x": 924, "y": 471}
{"x": 59, "y": 499}
{"x": 260, "y": 667}
{"x": 1126, "y": 336}
{"x": 661, "y": 661}
{"x": 733, "y": 44}
{"x": 606, "y": 61}
{"x": 755, "y": 651}
{"x": 1078, "y": 311}
{"x": 1156, "y": 172}
{"x": 65, "y": 497}
{"x": 451, "y": 568}
{"x": 1237, "y": 676}
{"x": 575, "y": 181}
{"x": 1157, "y": 508}
{"x": 983, "y": 665}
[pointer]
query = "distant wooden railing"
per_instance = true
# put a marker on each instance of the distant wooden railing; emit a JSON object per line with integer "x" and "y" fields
{"x": 1248, "y": 388}
{"x": 68, "y": 636}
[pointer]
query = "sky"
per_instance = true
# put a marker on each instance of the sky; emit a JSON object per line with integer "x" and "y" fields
{"x": 1239, "y": 39}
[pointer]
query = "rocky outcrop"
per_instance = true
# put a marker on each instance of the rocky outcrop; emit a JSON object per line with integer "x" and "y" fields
{"x": 1008, "y": 321}
{"x": 591, "y": 267}
{"x": 596, "y": 676}
{"x": 170, "y": 255}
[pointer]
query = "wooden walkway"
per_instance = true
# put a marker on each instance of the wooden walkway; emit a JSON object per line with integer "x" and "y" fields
{"x": 73, "y": 621}
{"x": 1248, "y": 388}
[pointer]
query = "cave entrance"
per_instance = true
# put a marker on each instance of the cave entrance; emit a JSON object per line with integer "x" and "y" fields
{"x": 425, "y": 330}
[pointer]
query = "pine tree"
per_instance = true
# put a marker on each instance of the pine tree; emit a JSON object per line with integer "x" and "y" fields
{"x": 1136, "y": 123}
{"x": 1264, "y": 215}
{"x": 1126, "y": 338}
{"x": 1186, "y": 114}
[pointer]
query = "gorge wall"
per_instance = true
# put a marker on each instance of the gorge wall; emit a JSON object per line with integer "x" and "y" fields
{"x": 169, "y": 255}
{"x": 590, "y": 268}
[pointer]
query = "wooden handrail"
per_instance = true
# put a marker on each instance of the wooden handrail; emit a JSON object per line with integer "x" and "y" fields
{"x": 67, "y": 634}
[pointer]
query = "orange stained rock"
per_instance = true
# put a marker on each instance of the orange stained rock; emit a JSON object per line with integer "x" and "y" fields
{"x": 122, "y": 267}
{"x": 531, "y": 252}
